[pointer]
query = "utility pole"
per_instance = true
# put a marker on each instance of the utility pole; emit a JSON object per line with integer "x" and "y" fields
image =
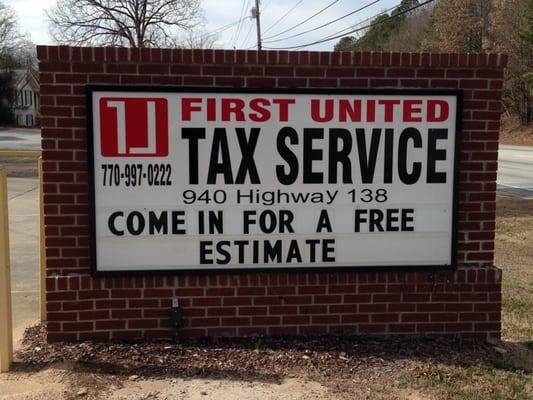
{"x": 255, "y": 14}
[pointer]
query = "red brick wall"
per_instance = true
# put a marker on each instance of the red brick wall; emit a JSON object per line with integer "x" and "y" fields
{"x": 466, "y": 302}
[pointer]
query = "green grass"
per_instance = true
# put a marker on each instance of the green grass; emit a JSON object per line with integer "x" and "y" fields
{"x": 504, "y": 227}
{"x": 502, "y": 381}
{"x": 510, "y": 376}
{"x": 517, "y": 307}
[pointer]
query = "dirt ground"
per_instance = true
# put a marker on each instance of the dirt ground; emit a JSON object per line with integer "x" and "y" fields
{"x": 328, "y": 367}
{"x": 52, "y": 383}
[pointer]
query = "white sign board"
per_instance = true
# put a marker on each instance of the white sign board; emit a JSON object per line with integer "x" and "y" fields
{"x": 205, "y": 179}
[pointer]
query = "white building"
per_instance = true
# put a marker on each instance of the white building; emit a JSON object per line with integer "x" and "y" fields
{"x": 26, "y": 108}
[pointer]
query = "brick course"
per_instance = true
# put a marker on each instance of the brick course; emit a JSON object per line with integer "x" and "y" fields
{"x": 465, "y": 302}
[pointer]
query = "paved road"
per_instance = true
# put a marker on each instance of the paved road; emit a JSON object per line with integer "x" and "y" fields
{"x": 23, "y": 204}
{"x": 515, "y": 171}
{"x": 20, "y": 139}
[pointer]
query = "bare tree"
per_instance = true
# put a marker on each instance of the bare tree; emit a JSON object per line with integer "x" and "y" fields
{"x": 410, "y": 35}
{"x": 134, "y": 23}
{"x": 459, "y": 26}
{"x": 16, "y": 50}
{"x": 10, "y": 36}
{"x": 508, "y": 18}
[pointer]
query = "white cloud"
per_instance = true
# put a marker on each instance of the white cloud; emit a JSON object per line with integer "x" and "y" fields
{"x": 32, "y": 19}
{"x": 219, "y": 13}
{"x": 273, "y": 10}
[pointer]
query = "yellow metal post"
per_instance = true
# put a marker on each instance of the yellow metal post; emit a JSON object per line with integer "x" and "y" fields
{"x": 42, "y": 249}
{"x": 6, "y": 328}
{"x": 20, "y": 153}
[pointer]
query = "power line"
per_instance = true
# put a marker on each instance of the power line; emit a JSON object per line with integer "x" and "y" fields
{"x": 238, "y": 30}
{"x": 353, "y": 26}
{"x": 327, "y": 23}
{"x": 247, "y": 36}
{"x": 266, "y": 5}
{"x": 223, "y": 28}
{"x": 337, "y": 36}
{"x": 226, "y": 27}
{"x": 248, "y": 5}
{"x": 257, "y": 15}
{"x": 353, "y": 31}
{"x": 281, "y": 19}
{"x": 241, "y": 16}
{"x": 304, "y": 21}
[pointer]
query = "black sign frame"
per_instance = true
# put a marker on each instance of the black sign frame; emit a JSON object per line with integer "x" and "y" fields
{"x": 93, "y": 262}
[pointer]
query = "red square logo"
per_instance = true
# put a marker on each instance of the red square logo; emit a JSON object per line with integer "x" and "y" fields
{"x": 133, "y": 127}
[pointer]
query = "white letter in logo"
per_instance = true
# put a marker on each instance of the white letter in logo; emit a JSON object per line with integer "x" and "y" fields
{"x": 121, "y": 128}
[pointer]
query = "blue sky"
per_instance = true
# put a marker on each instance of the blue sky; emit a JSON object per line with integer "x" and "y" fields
{"x": 219, "y": 13}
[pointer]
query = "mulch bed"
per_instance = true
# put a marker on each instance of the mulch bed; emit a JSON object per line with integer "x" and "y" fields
{"x": 259, "y": 358}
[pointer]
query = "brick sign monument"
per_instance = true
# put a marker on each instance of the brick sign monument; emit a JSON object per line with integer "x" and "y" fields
{"x": 238, "y": 193}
